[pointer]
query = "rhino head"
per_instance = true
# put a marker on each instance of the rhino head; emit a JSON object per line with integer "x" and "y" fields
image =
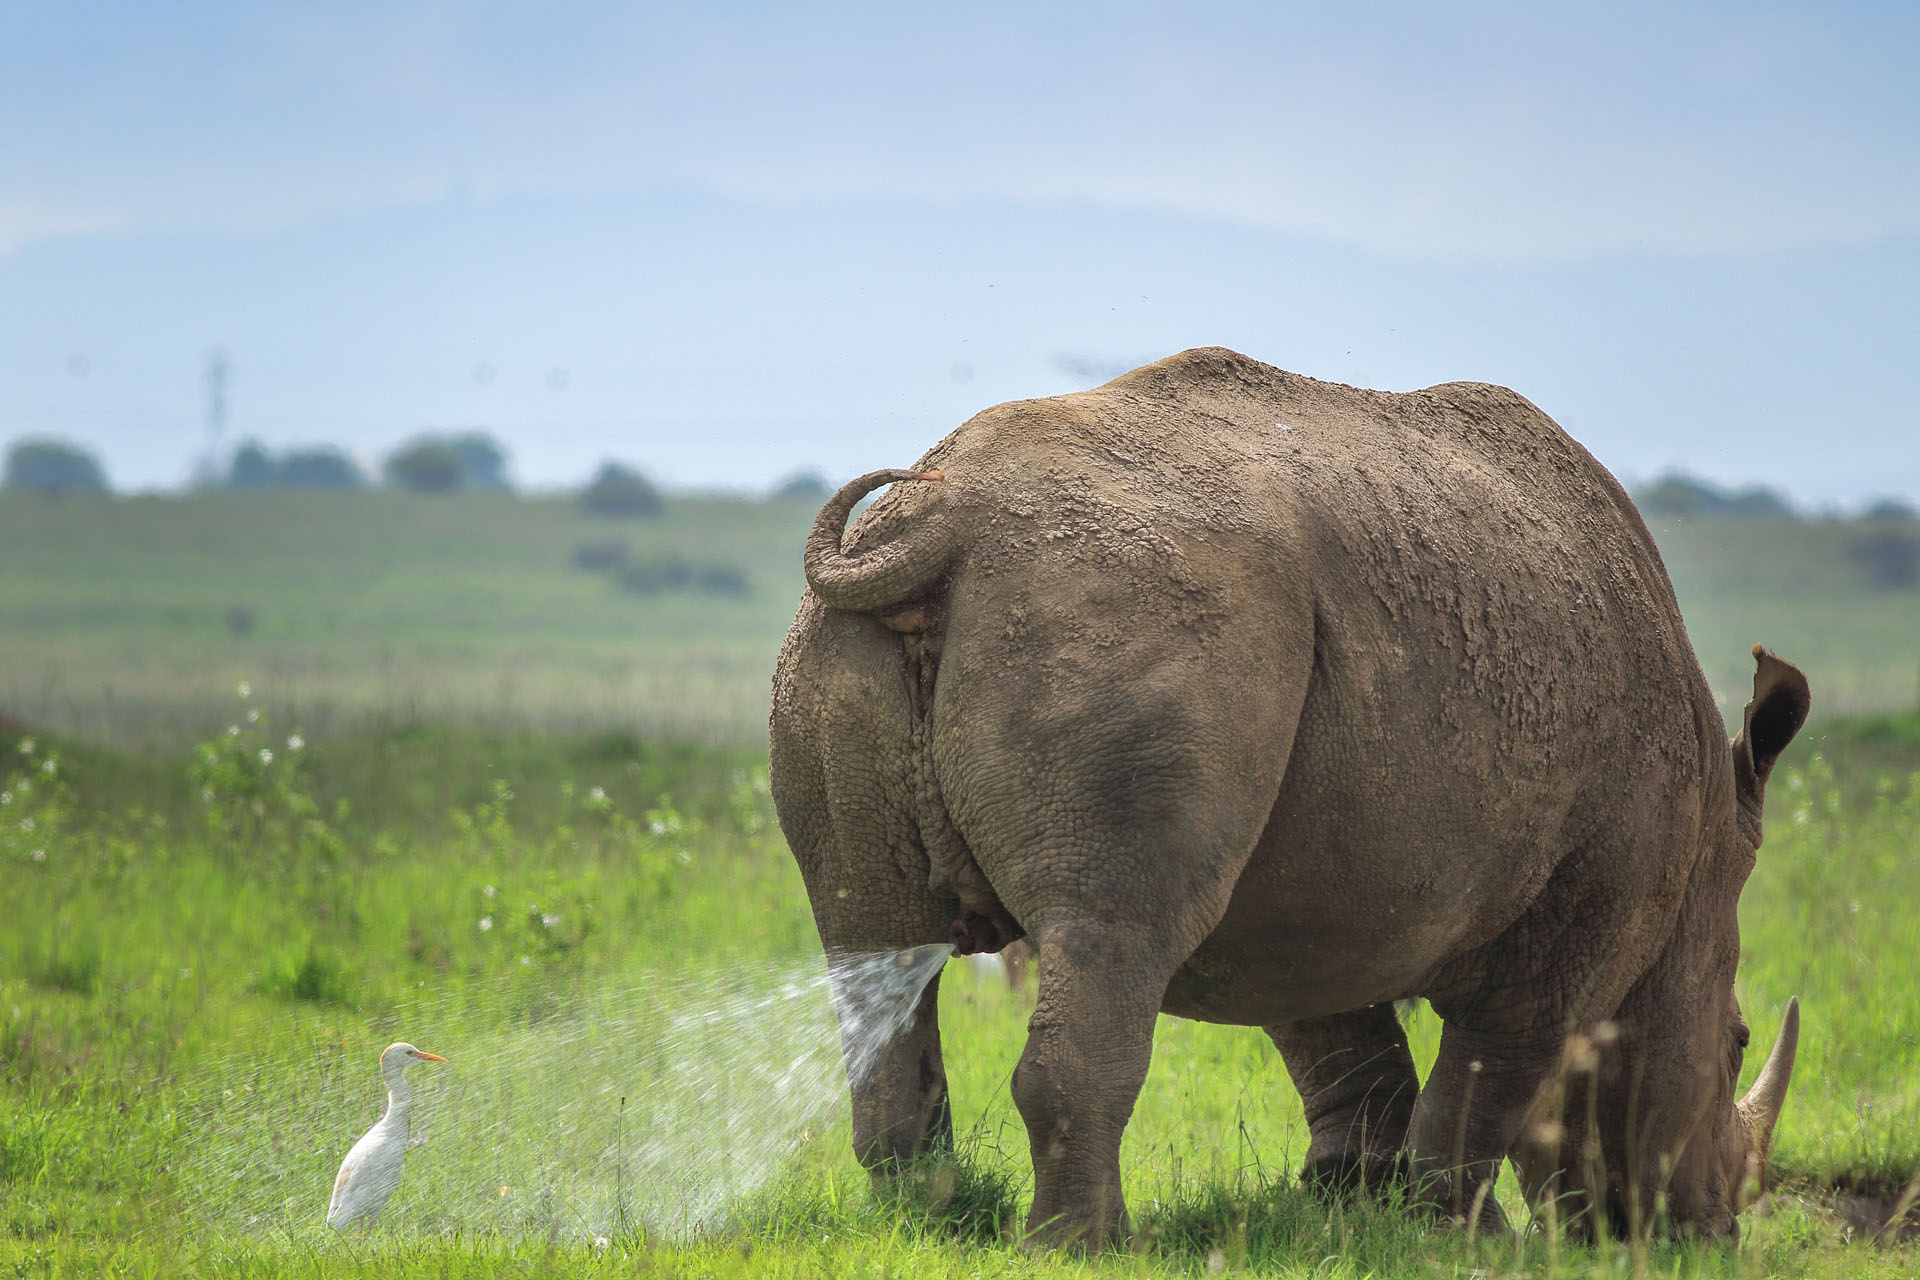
{"x": 1641, "y": 1127}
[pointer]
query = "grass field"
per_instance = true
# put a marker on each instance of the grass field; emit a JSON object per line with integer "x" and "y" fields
{"x": 478, "y": 798}
{"x": 205, "y": 951}
{"x": 116, "y": 616}
{"x": 1790, "y": 585}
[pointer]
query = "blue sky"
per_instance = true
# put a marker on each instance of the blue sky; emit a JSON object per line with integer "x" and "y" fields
{"x": 725, "y": 241}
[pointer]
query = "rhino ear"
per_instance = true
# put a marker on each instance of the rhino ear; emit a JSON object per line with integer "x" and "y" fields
{"x": 1779, "y": 707}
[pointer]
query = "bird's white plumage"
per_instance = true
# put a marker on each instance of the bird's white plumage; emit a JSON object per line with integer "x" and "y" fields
{"x": 372, "y": 1168}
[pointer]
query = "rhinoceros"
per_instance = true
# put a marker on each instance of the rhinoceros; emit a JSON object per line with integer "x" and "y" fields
{"x": 1271, "y": 702}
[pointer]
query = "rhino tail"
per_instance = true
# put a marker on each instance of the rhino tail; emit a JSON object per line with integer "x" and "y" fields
{"x": 886, "y": 575}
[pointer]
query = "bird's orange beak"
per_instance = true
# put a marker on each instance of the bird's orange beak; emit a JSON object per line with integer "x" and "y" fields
{"x": 430, "y": 1057}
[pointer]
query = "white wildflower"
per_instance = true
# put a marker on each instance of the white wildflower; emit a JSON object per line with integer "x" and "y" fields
{"x": 266, "y": 755}
{"x": 486, "y": 923}
{"x": 527, "y": 961}
{"x": 549, "y": 919}
{"x": 658, "y": 827}
{"x": 50, "y": 766}
{"x": 489, "y": 891}
{"x": 6, "y": 797}
{"x": 40, "y": 855}
{"x": 244, "y": 689}
{"x": 253, "y": 715}
{"x": 295, "y": 742}
{"x": 598, "y": 795}
{"x": 233, "y": 731}
{"x": 26, "y": 746}
{"x": 206, "y": 795}
{"x": 26, "y": 824}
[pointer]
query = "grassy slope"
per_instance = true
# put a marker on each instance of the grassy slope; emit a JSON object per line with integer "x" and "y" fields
{"x": 113, "y": 615}
{"x": 149, "y": 961}
{"x": 1790, "y": 586}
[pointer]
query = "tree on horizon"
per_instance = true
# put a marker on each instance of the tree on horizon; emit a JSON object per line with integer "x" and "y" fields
{"x": 44, "y": 465}
{"x": 470, "y": 461}
{"x": 315, "y": 467}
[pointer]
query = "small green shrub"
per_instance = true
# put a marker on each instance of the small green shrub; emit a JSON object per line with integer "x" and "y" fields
{"x": 254, "y": 795}
{"x": 621, "y": 491}
{"x": 603, "y": 555}
{"x": 36, "y": 807}
{"x": 316, "y": 974}
{"x": 70, "y": 964}
{"x": 26, "y": 1146}
{"x": 543, "y": 925}
{"x": 955, "y": 1197}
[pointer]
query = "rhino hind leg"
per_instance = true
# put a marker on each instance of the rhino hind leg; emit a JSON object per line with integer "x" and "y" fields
{"x": 1357, "y": 1083}
{"x": 901, "y": 1110}
{"x": 1089, "y": 1043}
{"x": 1102, "y": 803}
{"x": 1090, "y": 1039}
{"x": 843, "y": 784}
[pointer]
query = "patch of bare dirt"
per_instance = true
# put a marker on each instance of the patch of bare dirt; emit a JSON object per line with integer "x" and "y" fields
{"x": 1883, "y": 1207}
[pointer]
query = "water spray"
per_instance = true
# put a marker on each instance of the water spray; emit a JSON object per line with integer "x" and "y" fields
{"x": 652, "y": 1108}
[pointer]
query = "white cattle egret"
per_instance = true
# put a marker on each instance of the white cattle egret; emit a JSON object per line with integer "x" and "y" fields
{"x": 372, "y": 1169}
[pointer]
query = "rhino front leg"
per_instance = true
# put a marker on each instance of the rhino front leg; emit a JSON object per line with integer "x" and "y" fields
{"x": 898, "y": 1083}
{"x": 1476, "y": 1100}
{"x": 1356, "y": 1080}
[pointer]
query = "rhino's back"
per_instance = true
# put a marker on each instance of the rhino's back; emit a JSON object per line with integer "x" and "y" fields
{"x": 1459, "y": 518}
{"x": 1498, "y": 667}
{"x": 1214, "y": 440}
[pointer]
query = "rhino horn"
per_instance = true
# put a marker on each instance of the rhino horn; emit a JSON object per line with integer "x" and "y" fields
{"x": 1760, "y": 1109}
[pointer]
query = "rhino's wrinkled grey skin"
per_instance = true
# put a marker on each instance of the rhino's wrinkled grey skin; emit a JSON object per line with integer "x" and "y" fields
{"x": 1268, "y": 701}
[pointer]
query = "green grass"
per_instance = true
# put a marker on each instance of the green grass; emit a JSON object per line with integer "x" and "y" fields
{"x": 526, "y": 826}
{"x": 193, "y": 989}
